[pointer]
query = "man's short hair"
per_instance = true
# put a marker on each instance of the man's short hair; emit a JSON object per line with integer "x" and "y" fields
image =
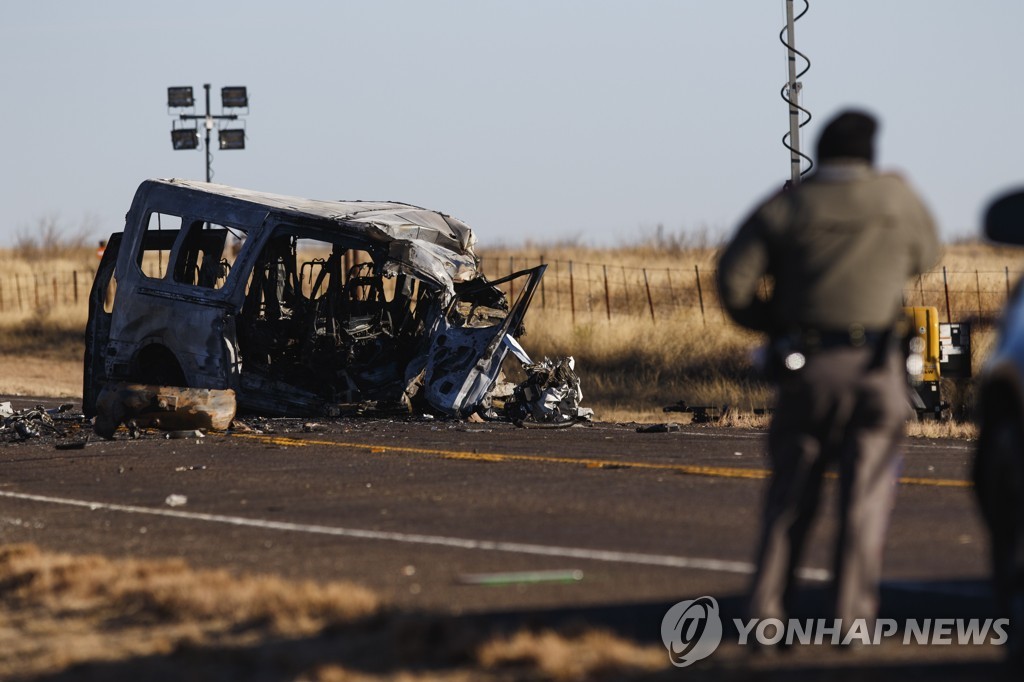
{"x": 851, "y": 134}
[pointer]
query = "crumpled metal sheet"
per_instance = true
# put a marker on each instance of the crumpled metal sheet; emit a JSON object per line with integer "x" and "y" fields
{"x": 551, "y": 393}
{"x": 29, "y": 423}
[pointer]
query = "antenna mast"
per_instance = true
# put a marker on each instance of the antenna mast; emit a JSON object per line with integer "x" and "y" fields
{"x": 791, "y": 94}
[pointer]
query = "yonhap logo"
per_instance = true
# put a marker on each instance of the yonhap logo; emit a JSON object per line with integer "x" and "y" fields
{"x": 691, "y": 630}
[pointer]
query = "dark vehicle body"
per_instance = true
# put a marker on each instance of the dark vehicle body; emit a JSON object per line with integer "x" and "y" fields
{"x": 999, "y": 462}
{"x": 299, "y": 306}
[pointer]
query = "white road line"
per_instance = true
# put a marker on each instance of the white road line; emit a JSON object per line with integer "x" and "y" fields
{"x": 612, "y": 556}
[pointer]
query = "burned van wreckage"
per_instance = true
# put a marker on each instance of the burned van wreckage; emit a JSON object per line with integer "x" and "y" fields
{"x": 301, "y": 307}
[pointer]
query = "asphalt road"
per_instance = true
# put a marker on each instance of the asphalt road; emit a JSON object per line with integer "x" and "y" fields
{"x": 421, "y": 510}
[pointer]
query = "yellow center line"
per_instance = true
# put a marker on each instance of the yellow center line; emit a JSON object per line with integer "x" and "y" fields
{"x": 689, "y": 469}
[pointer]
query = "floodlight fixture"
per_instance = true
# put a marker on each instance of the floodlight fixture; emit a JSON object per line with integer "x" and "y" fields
{"x": 231, "y": 138}
{"x": 234, "y": 97}
{"x": 180, "y": 97}
{"x": 185, "y": 138}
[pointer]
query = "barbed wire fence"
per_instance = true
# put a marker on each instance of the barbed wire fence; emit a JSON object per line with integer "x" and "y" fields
{"x": 588, "y": 291}
{"x": 21, "y": 292}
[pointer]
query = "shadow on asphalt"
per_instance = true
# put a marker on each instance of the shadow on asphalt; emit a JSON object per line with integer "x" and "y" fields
{"x": 430, "y": 645}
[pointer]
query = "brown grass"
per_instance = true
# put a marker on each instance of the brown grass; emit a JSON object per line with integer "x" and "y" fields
{"x": 61, "y": 610}
{"x": 639, "y": 365}
{"x": 590, "y": 655}
{"x": 89, "y": 617}
{"x": 52, "y": 332}
{"x": 631, "y": 366}
{"x": 169, "y": 591}
{"x": 41, "y": 352}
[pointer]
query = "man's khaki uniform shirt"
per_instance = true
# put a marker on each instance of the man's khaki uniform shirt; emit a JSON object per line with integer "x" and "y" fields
{"x": 840, "y": 247}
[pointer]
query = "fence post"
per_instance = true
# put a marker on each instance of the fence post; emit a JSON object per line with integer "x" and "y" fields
{"x": 74, "y": 283}
{"x": 590, "y": 298}
{"x": 977, "y": 281}
{"x": 558, "y": 288}
{"x": 543, "y": 302}
{"x": 945, "y": 285}
{"x": 35, "y": 289}
{"x": 511, "y": 282}
{"x": 1007, "y": 268}
{"x": 17, "y": 285}
{"x": 700, "y": 295}
{"x": 625, "y": 290}
{"x": 572, "y": 295}
{"x": 56, "y": 291}
{"x": 1, "y": 296}
{"x": 920, "y": 286}
{"x": 671, "y": 291}
{"x": 607, "y": 296}
{"x": 650, "y": 301}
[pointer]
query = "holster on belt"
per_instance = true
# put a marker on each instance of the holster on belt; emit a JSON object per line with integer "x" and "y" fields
{"x": 789, "y": 352}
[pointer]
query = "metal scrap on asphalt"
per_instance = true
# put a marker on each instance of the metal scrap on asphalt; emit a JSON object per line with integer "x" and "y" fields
{"x": 34, "y": 422}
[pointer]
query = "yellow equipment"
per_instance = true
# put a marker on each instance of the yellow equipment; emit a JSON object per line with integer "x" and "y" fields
{"x": 923, "y": 322}
{"x": 938, "y": 355}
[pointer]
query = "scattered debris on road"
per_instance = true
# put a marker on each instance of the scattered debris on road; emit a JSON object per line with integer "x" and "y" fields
{"x": 702, "y": 414}
{"x": 37, "y": 422}
{"x": 177, "y": 435}
{"x": 176, "y": 500}
{"x": 670, "y": 427}
{"x": 551, "y": 394}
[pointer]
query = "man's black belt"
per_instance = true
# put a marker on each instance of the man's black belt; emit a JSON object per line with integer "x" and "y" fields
{"x": 855, "y": 337}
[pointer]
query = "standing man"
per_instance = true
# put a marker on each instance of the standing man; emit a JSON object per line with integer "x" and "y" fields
{"x": 839, "y": 248}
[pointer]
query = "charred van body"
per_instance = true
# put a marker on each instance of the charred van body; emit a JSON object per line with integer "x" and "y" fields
{"x": 298, "y": 306}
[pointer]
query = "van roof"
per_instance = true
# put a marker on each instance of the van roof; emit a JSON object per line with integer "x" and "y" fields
{"x": 395, "y": 219}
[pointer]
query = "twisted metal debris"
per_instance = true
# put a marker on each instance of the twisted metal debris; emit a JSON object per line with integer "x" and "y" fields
{"x": 20, "y": 425}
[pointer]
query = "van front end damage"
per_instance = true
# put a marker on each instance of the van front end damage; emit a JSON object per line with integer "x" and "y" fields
{"x": 297, "y": 307}
{"x": 470, "y": 341}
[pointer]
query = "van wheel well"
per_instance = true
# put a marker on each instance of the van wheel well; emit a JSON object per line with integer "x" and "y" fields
{"x": 156, "y": 364}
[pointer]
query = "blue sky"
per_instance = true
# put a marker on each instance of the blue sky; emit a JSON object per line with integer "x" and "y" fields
{"x": 530, "y": 120}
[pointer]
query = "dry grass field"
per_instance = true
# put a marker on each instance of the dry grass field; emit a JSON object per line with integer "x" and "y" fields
{"x": 89, "y": 617}
{"x": 634, "y": 363}
{"x": 628, "y": 315}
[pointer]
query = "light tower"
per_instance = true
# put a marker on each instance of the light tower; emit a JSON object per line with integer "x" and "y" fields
{"x": 187, "y": 137}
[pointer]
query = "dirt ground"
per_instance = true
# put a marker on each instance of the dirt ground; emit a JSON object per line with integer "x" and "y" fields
{"x": 29, "y": 375}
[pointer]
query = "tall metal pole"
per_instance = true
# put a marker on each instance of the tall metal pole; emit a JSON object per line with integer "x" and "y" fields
{"x": 209, "y": 127}
{"x": 793, "y": 96}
